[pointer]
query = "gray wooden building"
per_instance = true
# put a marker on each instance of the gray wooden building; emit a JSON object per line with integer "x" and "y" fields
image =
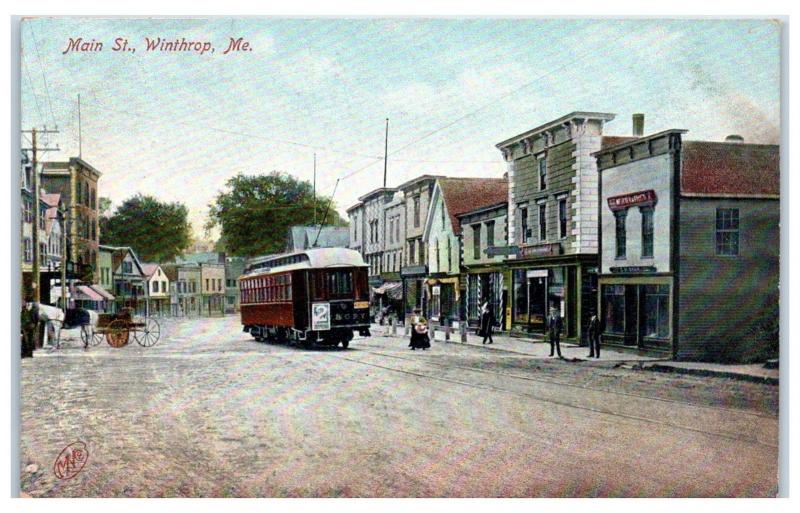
{"x": 416, "y": 196}
{"x": 690, "y": 244}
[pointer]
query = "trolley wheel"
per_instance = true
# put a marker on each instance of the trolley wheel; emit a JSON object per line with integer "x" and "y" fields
{"x": 345, "y": 343}
{"x": 149, "y": 334}
{"x": 117, "y": 333}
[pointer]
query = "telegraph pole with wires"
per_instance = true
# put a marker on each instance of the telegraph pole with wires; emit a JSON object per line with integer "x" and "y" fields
{"x": 34, "y": 149}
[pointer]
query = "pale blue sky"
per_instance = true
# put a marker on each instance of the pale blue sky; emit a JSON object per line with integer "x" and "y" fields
{"x": 178, "y": 125}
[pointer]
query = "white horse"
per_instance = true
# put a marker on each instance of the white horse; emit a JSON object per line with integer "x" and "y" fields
{"x": 53, "y": 319}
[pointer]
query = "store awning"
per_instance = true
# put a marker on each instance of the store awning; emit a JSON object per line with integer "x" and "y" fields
{"x": 86, "y": 293}
{"x": 103, "y": 292}
{"x": 393, "y": 289}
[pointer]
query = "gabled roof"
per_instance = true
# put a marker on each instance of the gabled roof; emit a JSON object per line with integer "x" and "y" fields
{"x": 730, "y": 169}
{"x": 149, "y": 269}
{"x": 302, "y": 237}
{"x": 118, "y": 255}
{"x": 461, "y": 195}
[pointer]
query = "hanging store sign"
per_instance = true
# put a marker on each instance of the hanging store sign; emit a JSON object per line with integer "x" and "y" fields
{"x": 634, "y": 199}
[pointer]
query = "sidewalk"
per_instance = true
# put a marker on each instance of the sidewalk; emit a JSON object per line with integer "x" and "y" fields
{"x": 526, "y": 346}
{"x": 540, "y": 348}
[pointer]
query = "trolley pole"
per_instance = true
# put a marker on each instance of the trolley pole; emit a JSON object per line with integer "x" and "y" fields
{"x": 385, "y": 153}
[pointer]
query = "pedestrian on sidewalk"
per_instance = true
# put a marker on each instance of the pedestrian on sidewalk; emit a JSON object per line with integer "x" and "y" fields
{"x": 555, "y": 326}
{"x": 419, "y": 331}
{"x": 594, "y": 336}
{"x": 487, "y": 321}
{"x": 419, "y": 336}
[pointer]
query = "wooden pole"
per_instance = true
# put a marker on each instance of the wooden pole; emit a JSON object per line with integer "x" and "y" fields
{"x": 35, "y": 280}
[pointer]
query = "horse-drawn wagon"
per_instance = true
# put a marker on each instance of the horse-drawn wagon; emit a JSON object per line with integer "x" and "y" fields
{"x": 115, "y": 328}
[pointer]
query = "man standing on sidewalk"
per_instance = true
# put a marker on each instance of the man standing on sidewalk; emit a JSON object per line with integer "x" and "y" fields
{"x": 554, "y": 326}
{"x": 594, "y": 336}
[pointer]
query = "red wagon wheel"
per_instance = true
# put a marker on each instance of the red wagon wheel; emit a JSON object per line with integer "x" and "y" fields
{"x": 117, "y": 333}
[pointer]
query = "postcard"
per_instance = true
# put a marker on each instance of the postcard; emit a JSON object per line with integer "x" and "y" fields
{"x": 399, "y": 257}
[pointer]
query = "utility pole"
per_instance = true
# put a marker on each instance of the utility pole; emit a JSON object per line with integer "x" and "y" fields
{"x": 80, "y": 138}
{"x": 385, "y": 152}
{"x": 315, "y": 189}
{"x": 63, "y": 216}
{"x": 35, "y": 278}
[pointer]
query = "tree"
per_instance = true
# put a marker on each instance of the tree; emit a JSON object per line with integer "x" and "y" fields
{"x": 254, "y": 213}
{"x": 157, "y": 231}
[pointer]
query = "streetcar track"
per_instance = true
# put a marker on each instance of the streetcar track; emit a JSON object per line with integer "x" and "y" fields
{"x": 481, "y": 386}
{"x": 582, "y": 387}
{"x": 565, "y": 404}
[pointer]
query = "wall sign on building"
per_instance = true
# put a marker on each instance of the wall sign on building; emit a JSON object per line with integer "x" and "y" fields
{"x": 635, "y": 199}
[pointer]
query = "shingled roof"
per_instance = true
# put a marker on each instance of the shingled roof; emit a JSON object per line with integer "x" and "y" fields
{"x": 730, "y": 169}
{"x": 465, "y": 194}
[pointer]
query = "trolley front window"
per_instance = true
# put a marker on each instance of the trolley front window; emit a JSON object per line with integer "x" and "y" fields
{"x": 340, "y": 284}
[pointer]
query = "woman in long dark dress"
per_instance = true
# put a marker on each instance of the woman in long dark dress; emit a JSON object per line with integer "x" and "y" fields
{"x": 419, "y": 336}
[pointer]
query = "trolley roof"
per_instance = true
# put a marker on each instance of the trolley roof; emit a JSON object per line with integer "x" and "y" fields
{"x": 317, "y": 258}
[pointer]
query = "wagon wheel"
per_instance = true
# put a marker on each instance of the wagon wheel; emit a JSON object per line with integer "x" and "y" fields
{"x": 148, "y": 335}
{"x": 117, "y": 333}
{"x": 86, "y": 336}
{"x": 97, "y": 337}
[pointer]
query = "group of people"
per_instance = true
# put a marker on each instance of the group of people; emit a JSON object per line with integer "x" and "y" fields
{"x": 555, "y": 326}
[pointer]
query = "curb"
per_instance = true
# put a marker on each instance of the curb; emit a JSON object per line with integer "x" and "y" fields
{"x": 707, "y": 372}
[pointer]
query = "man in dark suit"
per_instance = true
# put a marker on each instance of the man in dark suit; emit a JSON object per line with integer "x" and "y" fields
{"x": 594, "y": 336}
{"x": 555, "y": 325}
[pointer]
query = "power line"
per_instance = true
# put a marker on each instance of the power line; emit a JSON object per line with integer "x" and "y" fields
{"x": 33, "y": 90}
{"x": 224, "y": 130}
{"x": 44, "y": 77}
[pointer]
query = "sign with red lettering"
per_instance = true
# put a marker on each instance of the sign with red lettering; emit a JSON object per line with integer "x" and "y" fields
{"x": 634, "y": 199}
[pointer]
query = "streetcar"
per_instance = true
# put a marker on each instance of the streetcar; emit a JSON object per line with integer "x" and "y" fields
{"x": 313, "y": 297}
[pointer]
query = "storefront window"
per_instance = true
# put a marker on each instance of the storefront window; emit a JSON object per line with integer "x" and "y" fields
{"x": 614, "y": 305}
{"x": 656, "y": 311}
{"x": 555, "y": 290}
{"x": 520, "y": 296}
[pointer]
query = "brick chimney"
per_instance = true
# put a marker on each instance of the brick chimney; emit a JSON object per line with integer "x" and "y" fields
{"x": 638, "y": 125}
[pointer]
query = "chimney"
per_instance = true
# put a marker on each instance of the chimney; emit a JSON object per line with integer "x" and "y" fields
{"x": 638, "y": 125}
{"x": 733, "y": 138}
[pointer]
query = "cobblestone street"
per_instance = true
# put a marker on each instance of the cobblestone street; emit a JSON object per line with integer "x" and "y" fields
{"x": 210, "y": 412}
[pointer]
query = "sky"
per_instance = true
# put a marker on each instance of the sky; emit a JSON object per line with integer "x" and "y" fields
{"x": 179, "y": 125}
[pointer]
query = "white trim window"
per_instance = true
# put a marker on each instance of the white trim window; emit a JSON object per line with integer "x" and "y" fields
{"x": 727, "y": 232}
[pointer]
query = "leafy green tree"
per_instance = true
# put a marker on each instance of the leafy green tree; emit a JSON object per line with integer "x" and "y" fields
{"x": 254, "y": 212}
{"x": 157, "y": 231}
